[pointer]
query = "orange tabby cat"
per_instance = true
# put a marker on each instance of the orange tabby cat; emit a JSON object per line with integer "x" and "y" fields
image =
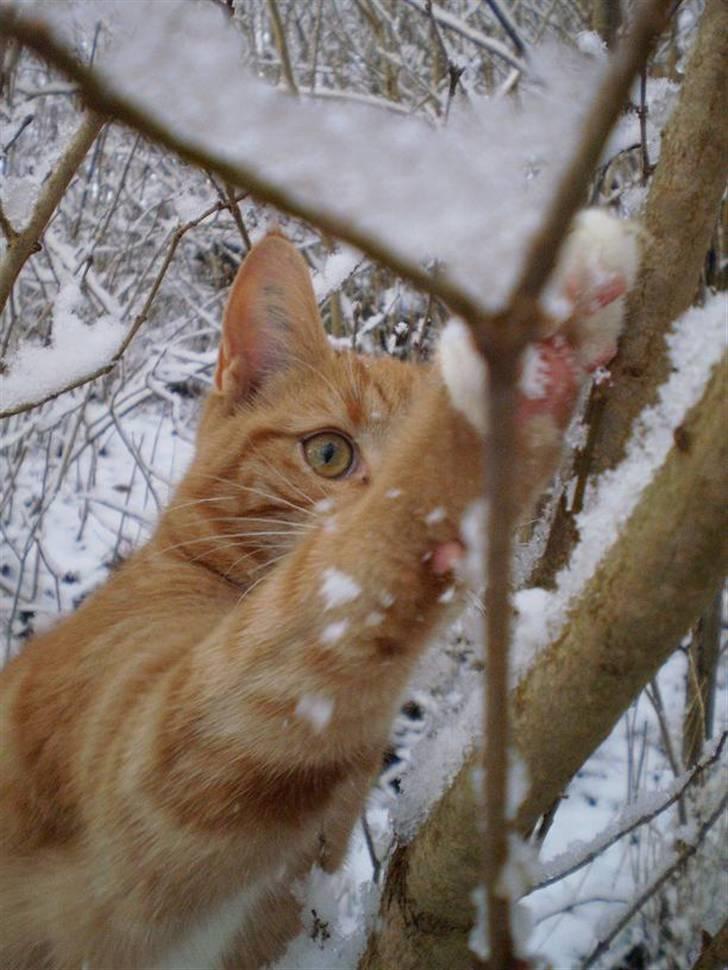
{"x": 207, "y": 725}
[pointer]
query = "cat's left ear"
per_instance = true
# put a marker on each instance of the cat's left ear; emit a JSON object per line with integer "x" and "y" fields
{"x": 271, "y": 320}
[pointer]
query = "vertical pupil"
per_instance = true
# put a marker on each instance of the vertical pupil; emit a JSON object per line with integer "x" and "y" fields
{"x": 328, "y": 451}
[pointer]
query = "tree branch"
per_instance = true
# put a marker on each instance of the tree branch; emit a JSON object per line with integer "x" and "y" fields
{"x": 36, "y": 36}
{"x": 656, "y": 885}
{"x": 618, "y": 831}
{"x": 26, "y": 241}
{"x": 139, "y": 319}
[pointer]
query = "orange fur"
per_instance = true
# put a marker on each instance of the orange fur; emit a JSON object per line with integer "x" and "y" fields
{"x": 156, "y": 770}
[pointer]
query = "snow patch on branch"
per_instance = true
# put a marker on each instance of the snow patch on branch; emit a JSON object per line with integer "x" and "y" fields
{"x": 76, "y": 350}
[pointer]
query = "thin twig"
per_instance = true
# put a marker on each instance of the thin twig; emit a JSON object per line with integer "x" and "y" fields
{"x": 280, "y": 38}
{"x": 451, "y": 22}
{"x": 600, "y": 845}
{"x": 140, "y": 319}
{"x": 503, "y": 16}
{"x": 656, "y": 885}
{"x": 500, "y": 477}
{"x": 232, "y": 203}
{"x": 654, "y": 695}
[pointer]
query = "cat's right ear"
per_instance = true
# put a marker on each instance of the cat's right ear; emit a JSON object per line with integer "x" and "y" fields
{"x": 271, "y": 320}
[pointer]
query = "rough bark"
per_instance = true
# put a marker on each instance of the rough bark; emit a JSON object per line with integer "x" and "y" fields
{"x": 655, "y": 580}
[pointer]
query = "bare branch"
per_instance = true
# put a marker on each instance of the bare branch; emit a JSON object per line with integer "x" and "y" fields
{"x": 27, "y": 240}
{"x": 617, "y": 832}
{"x": 654, "y": 887}
{"x": 451, "y": 22}
{"x": 138, "y": 321}
{"x": 280, "y": 38}
{"x": 509, "y": 25}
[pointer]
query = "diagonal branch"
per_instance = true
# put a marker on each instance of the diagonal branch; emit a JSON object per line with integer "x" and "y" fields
{"x": 138, "y": 321}
{"x": 23, "y": 243}
{"x": 656, "y": 885}
{"x": 458, "y": 26}
{"x": 618, "y": 831}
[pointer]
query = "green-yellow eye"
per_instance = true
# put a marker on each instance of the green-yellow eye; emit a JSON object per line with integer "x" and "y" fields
{"x": 329, "y": 454}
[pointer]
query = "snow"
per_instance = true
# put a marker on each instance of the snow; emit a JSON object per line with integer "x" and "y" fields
{"x": 338, "y": 268}
{"x": 324, "y": 505}
{"x": 444, "y": 752}
{"x": 435, "y": 516}
{"x": 316, "y": 709}
{"x": 338, "y": 911}
{"x": 334, "y": 631}
{"x": 338, "y": 589}
{"x": 374, "y": 618}
{"x": 76, "y": 350}
{"x": 600, "y": 252}
{"x": 18, "y": 195}
{"x": 353, "y": 162}
{"x": 393, "y": 493}
{"x": 478, "y": 942}
{"x": 465, "y": 373}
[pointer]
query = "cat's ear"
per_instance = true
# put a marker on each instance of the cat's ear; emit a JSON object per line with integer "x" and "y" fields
{"x": 271, "y": 320}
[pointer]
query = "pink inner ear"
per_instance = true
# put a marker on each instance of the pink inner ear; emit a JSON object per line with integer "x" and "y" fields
{"x": 271, "y": 318}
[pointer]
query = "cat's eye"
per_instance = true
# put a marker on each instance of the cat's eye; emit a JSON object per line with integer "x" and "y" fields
{"x": 331, "y": 455}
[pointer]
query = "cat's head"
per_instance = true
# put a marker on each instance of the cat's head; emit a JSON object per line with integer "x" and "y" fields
{"x": 292, "y": 430}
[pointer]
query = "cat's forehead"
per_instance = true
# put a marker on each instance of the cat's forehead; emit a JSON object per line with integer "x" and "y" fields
{"x": 370, "y": 389}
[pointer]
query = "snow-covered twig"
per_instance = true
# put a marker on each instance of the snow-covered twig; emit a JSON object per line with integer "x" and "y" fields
{"x": 106, "y": 366}
{"x": 37, "y": 36}
{"x": 633, "y": 817}
{"x": 656, "y": 884}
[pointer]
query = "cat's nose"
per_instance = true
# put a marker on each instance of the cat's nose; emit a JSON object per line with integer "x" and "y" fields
{"x": 362, "y": 475}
